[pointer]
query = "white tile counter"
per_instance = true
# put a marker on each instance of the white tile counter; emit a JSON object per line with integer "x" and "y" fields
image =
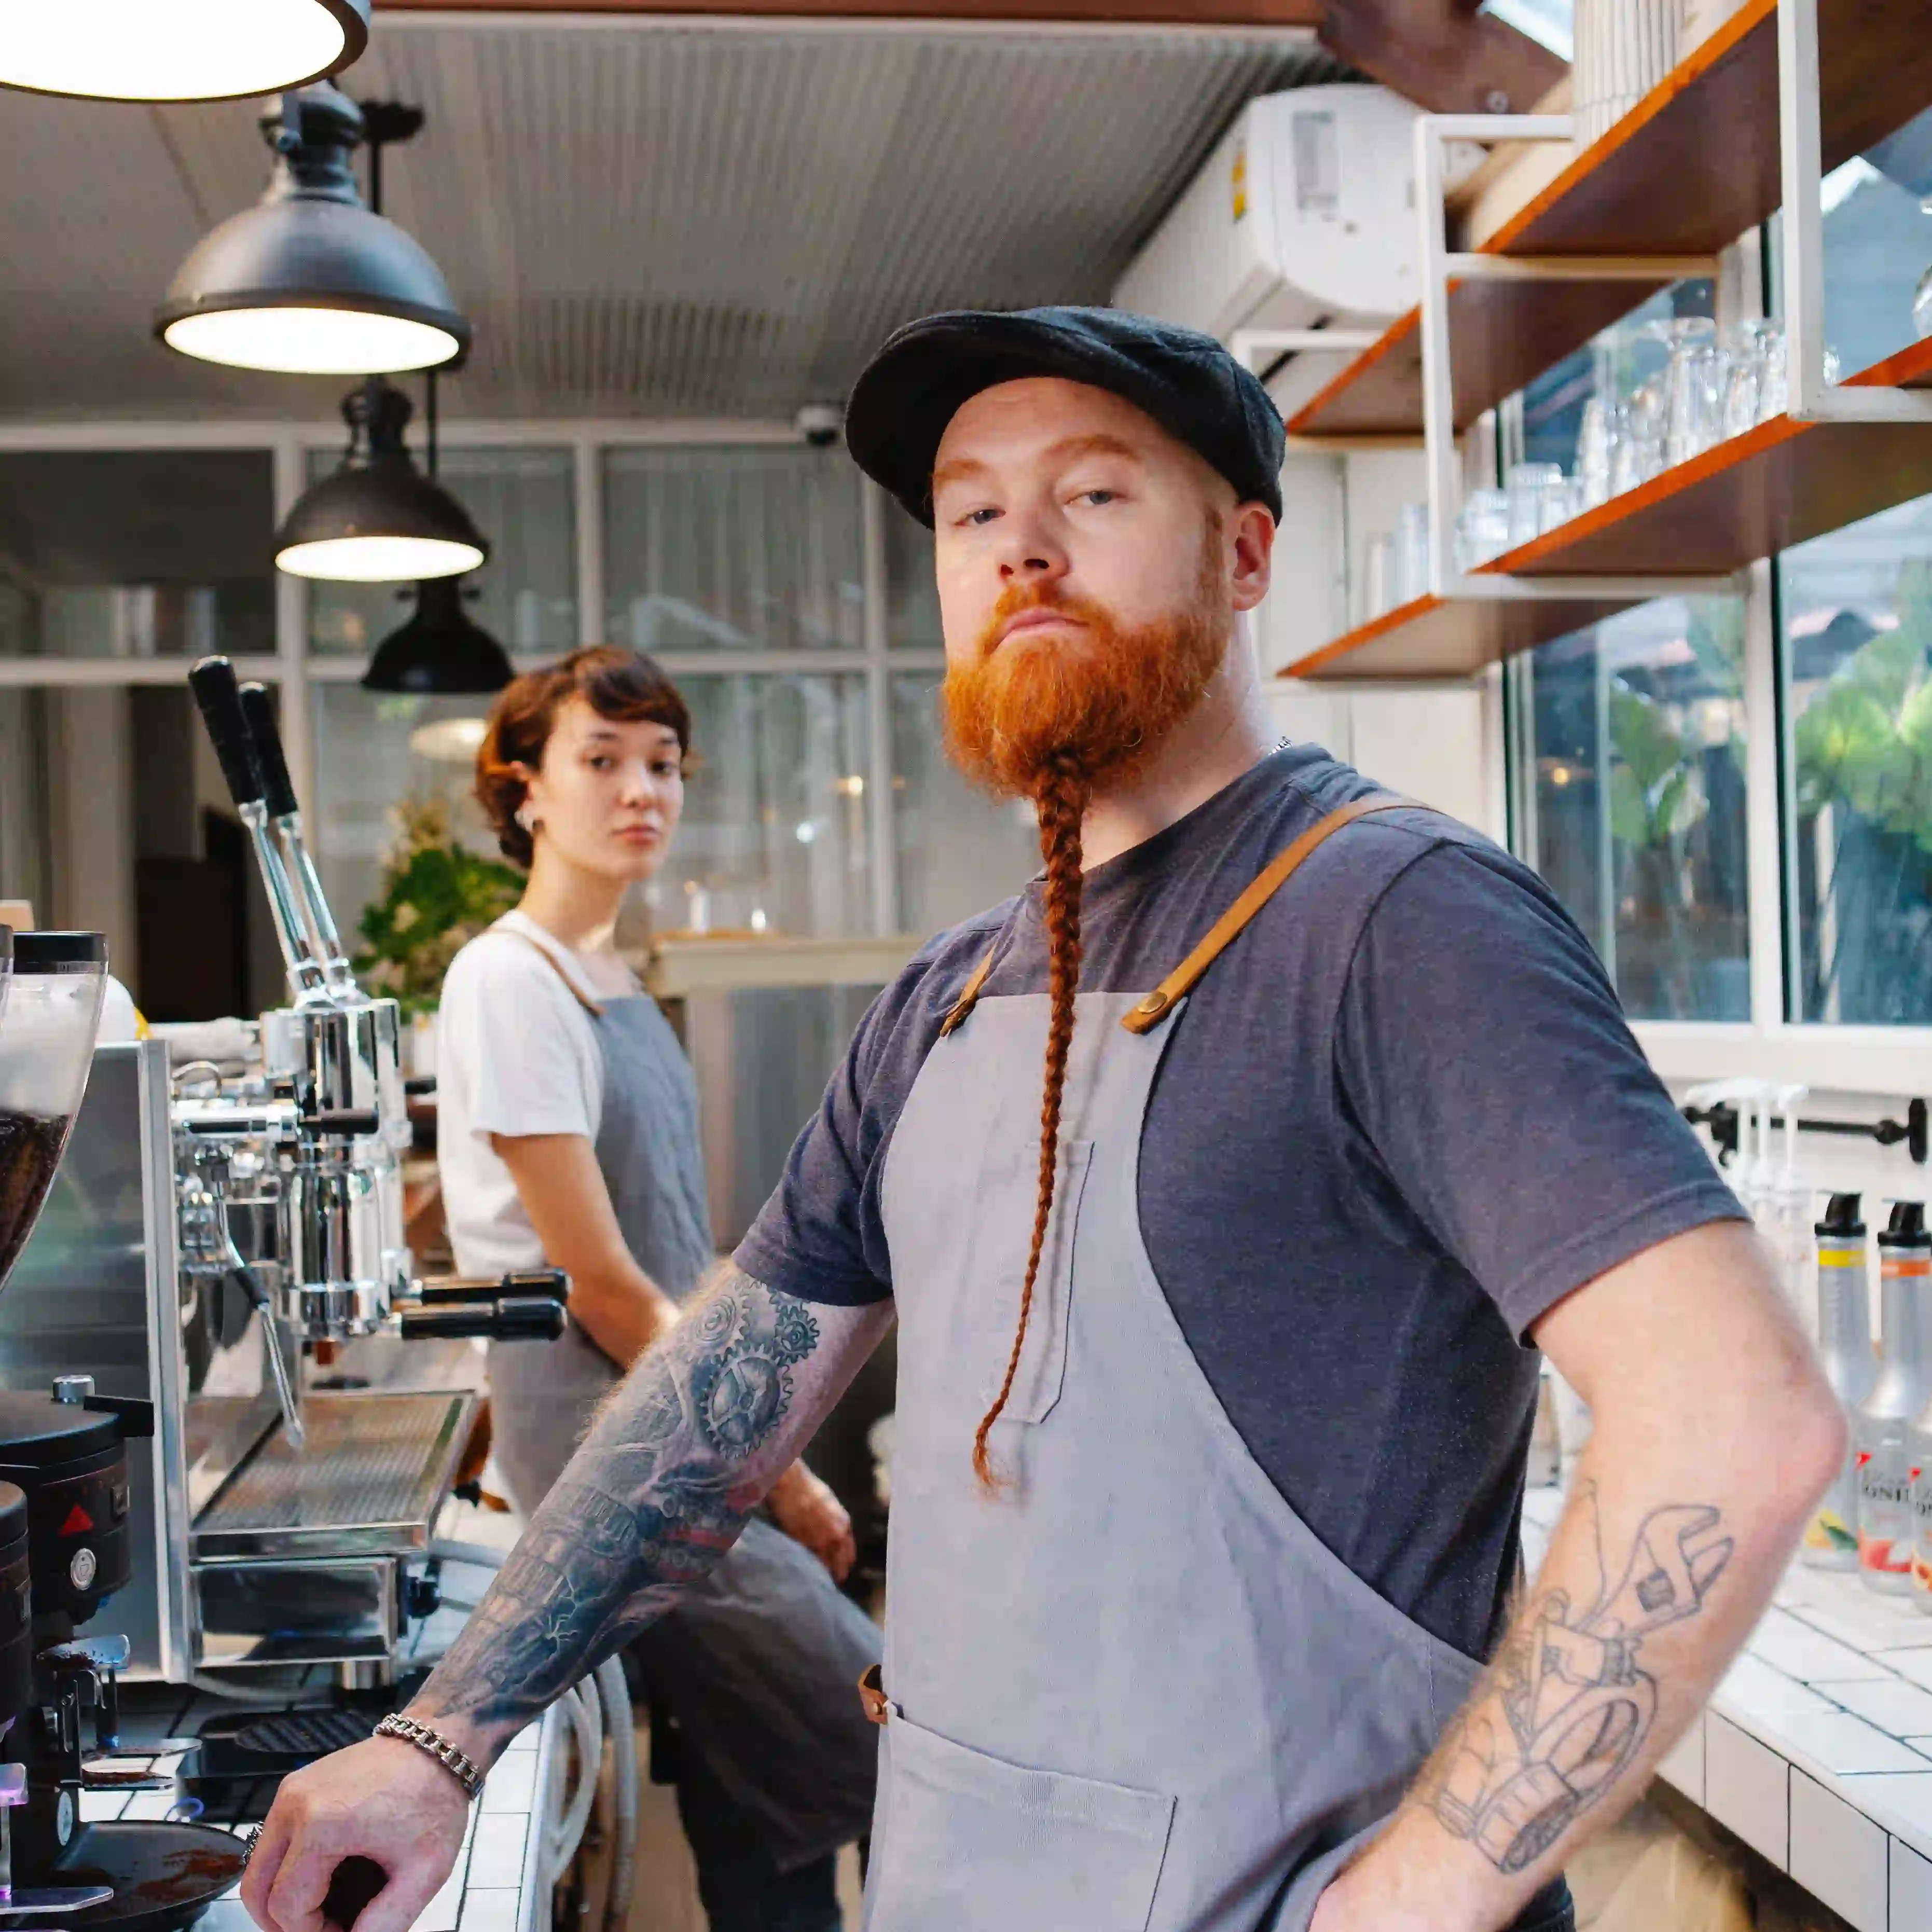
{"x": 1816, "y": 1748}
{"x": 500, "y": 1883}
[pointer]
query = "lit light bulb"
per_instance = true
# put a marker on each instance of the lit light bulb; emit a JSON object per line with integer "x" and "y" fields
{"x": 311, "y": 341}
{"x": 177, "y": 49}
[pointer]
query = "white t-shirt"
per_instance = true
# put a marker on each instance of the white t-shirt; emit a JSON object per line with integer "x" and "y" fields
{"x": 515, "y": 1054}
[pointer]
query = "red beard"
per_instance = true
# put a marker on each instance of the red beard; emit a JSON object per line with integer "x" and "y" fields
{"x": 1092, "y": 708}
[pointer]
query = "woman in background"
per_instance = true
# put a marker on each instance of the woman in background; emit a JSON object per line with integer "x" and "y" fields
{"x": 567, "y": 1136}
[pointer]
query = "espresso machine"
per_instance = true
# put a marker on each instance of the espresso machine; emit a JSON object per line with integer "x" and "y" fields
{"x": 65, "y": 1541}
{"x": 306, "y": 1504}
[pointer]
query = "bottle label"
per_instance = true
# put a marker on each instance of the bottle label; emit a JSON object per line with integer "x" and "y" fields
{"x": 1884, "y": 1510}
{"x": 1921, "y": 1542}
{"x": 1833, "y": 1528}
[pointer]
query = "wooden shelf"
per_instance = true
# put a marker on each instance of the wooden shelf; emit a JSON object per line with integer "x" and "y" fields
{"x": 1686, "y": 171}
{"x": 1779, "y": 484}
{"x": 1435, "y": 637}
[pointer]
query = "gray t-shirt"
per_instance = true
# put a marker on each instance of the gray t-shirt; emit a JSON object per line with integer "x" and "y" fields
{"x": 1400, "y": 1117}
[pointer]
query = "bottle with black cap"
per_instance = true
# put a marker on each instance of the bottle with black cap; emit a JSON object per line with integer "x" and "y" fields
{"x": 1845, "y": 1348}
{"x": 1903, "y": 1388}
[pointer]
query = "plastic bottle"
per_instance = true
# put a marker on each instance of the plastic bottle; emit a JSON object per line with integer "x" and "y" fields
{"x": 1845, "y": 1349}
{"x": 1903, "y": 1386}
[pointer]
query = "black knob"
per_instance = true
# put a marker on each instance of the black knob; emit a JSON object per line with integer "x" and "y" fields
{"x": 212, "y": 682}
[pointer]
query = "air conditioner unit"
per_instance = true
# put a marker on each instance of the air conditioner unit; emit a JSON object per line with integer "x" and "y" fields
{"x": 1304, "y": 216}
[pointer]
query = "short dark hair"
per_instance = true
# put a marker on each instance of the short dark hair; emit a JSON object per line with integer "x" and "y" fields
{"x": 625, "y": 686}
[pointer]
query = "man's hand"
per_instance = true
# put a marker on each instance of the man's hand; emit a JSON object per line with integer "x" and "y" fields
{"x": 808, "y": 1513}
{"x": 384, "y": 1800}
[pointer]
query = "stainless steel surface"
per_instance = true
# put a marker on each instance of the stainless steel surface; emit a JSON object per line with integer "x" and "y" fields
{"x": 341, "y": 1612}
{"x": 94, "y": 1292}
{"x": 369, "y": 1482}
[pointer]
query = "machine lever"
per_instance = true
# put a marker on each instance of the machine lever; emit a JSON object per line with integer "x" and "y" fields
{"x": 510, "y": 1318}
{"x": 136, "y": 1413}
{"x": 212, "y": 681}
{"x": 347, "y": 1124}
{"x": 258, "y": 720}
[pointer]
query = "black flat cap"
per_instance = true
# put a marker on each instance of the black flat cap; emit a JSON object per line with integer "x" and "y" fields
{"x": 1190, "y": 386}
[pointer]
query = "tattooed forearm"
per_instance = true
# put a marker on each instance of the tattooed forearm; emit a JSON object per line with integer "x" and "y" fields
{"x": 1565, "y": 1706}
{"x": 678, "y": 1457}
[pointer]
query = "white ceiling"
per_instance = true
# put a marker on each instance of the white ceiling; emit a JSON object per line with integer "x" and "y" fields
{"x": 642, "y": 217}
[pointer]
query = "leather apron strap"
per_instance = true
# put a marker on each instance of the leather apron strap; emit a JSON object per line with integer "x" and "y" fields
{"x": 1144, "y": 1017}
{"x": 1152, "y": 1010}
{"x": 556, "y": 965}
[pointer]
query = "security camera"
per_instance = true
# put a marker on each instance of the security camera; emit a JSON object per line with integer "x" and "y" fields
{"x": 820, "y": 424}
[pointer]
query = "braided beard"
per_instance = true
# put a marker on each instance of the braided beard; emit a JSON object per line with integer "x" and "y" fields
{"x": 1051, "y": 720}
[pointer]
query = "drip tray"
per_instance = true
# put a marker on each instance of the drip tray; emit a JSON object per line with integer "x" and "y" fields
{"x": 368, "y": 1481}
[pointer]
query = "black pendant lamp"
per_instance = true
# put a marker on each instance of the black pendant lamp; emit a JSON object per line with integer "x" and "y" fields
{"x": 177, "y": 49}
{"x": 441, "y": 652}
{"x": 310, "y": 280}
{"x": 378, "y": 519}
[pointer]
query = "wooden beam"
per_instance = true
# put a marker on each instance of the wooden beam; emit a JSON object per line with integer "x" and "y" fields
{"x": 1218, "y": 14}
{"x": 1442, "y": 54}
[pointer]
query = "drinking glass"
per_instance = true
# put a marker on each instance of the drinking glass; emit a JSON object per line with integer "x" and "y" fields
{"x": 1482, "y": 528}
{"x": 1596, "y": 451}
{"x": 1410, "y": 569}
{"x": 1921, "y": 296}
{"x": 1379, "y": 575}
{"x": 1743, "y": 381}
{"x": 1774, "y": 394}
{"x": 1638, "y": 452}
{"x": 1530, "y": 486}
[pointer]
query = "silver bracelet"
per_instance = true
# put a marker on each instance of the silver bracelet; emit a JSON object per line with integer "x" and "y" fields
{"x": 438, "y": 1747}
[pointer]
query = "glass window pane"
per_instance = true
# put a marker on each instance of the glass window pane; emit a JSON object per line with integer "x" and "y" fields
{"x": 26, "y": 860}
{"x": 733, "y": 549}
{"x": 959, "y": 850}
{"x": 384, "y": 764}
{"x": 1856, "y": 612}
{"x": 1636, "y": 804}
{"x": 1878, "y": 244}
{"x": 136, "y": 554}
{"x": 524, "y": 501}
{"x": 912, "y": 597}
{"x": 774, "y": 833}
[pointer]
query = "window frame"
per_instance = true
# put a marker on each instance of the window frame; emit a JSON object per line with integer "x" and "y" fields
{"x": 296, "y": 670}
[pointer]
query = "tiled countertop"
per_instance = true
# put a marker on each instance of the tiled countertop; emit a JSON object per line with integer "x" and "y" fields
{"x": 500, "y": 1883}
{"x": 1816, "y": 1748}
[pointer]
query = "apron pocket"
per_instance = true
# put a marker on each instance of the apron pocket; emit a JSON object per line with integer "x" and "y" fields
{"x": 1042, "y": 1370}
{"x": 976, "y": 1845}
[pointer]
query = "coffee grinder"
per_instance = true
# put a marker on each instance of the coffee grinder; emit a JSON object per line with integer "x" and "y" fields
{"x": 64, "y": 1541}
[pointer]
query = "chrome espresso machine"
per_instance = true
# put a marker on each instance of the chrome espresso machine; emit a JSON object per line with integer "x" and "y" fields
{"x": 68, "y": 1537}
{"x": 228, "y": 1243}
{"x": 304, "y": 1505}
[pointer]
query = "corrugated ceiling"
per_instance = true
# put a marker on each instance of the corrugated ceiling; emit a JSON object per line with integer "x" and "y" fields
{"x": 651, "y": 218}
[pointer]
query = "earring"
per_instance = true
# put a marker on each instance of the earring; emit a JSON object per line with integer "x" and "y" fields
{"x": 525, "y": 817}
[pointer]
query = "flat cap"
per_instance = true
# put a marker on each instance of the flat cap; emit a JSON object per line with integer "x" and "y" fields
{"x": 1187, "y": 382}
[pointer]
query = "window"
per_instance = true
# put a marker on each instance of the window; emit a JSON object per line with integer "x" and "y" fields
{"x": 1855, "y": 611}
{"x": 524, "y": 501}
{"x": 775, "y": 835}
{"x": 733, "y": 549}
{"x": 136, "y": 553}
{"x": 1633, "y": 811}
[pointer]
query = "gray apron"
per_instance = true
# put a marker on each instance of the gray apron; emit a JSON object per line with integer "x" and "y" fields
{"x": 1132, "y": 1692}
{"x": 756, "y": 1665}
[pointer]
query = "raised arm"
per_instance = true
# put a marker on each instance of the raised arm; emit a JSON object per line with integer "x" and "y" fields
{"x": 1714, "y": 1436}
{"x": 679, "y": 1456}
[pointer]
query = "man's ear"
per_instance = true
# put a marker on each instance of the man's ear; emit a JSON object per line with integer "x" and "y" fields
{"x": 1251, "y": 536}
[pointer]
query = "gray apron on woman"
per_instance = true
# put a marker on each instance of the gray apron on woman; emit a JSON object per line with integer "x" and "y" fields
{"x": 1132, "y": 1691}
{"x": 757, "y": 1664}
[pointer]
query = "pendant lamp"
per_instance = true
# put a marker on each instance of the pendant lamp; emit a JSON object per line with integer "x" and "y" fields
{"x": 177, "y": 49}
{"x": 378, "y": 519}
{"x": 440, "y": 651}
{"x": 310, "y": 280}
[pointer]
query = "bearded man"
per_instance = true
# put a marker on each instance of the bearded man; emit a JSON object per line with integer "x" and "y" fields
{"x": 1224, "y": 1185}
